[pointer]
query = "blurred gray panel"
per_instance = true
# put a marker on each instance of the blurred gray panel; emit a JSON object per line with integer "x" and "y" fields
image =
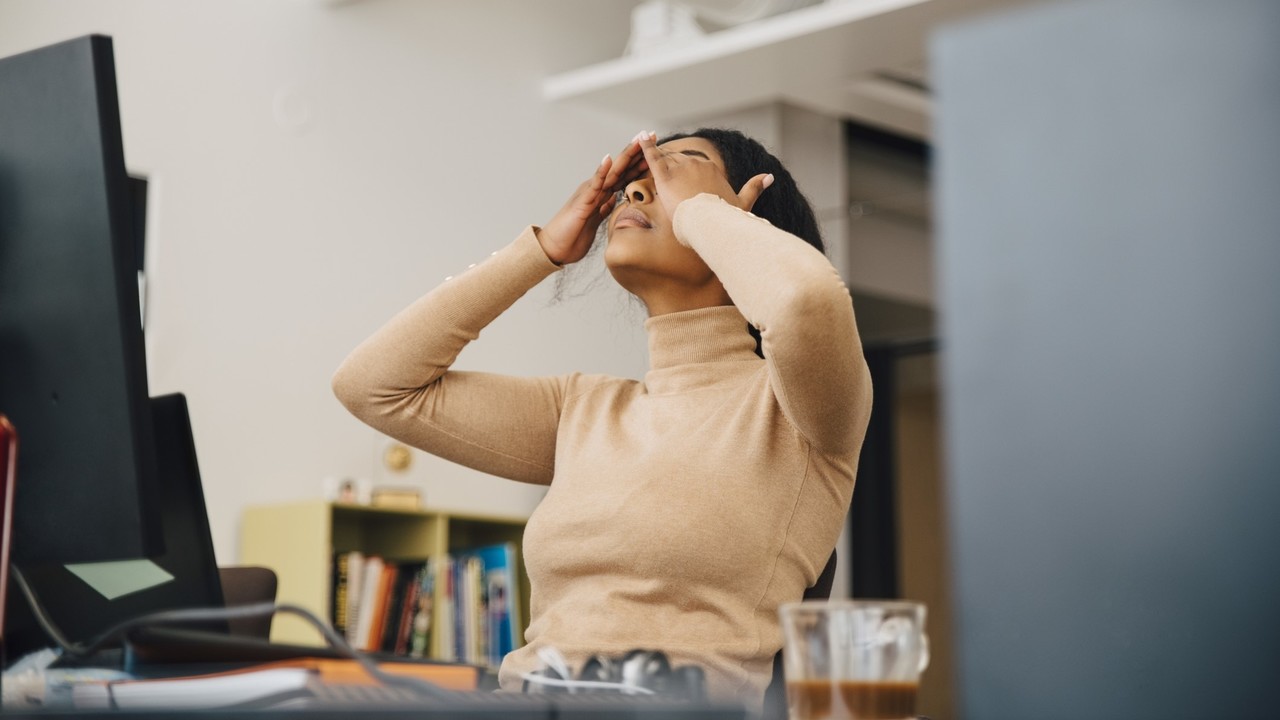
{"x": 1108, "y": 179}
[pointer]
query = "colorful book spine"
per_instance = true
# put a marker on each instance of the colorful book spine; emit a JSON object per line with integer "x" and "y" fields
{"x": 381, "y": 605}
{"x": 355, "y": 590}
{"x": 454, "y": 608}
{"x": 338, "y": 597}
{"x": 395, "y": 638}
{"x": 366, "y": 608}
{"x": 404, "y": 613}
{"x": 423, "y": 616}
{"x": 445, "y": 643}
{"x": 487, "y": 615}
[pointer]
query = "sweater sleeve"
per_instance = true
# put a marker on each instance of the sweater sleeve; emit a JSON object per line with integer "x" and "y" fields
{"x": 788, "y": 290}
{"x": 399, "y": 382}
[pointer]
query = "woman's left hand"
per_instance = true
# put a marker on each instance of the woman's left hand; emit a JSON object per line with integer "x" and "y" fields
{"x": 678, "y": 177}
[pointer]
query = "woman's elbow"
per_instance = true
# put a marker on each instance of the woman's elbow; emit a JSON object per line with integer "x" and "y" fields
{"x": 822, "y": 302}
{"x": 350, "y": 387}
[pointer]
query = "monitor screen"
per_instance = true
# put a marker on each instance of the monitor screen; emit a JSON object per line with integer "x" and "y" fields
{"x": 72, "y": 364}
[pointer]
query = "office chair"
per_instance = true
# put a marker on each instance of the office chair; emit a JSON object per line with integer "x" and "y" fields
{"x": 775, "y": 696}
{"x": 247, "y": 585}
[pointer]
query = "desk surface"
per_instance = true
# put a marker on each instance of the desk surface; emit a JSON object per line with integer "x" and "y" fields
{"x": 474, "y": 706}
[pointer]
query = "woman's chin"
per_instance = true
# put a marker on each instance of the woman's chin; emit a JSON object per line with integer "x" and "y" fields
{"x": 627, "y": 267}
{"x": 623, "y": 249}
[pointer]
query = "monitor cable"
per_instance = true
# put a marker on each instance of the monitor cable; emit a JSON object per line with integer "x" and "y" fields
{"x": 120, "y": 631}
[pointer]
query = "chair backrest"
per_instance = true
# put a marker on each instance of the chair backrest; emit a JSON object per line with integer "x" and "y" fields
{"x": 247, "y": 585}
{"x": 775, "y": 696}
{"x": 821, "y": 588}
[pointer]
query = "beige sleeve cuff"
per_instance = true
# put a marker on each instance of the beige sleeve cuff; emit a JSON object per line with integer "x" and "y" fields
{"x": 527, "y": 248}
{"x": 696, "y": 212}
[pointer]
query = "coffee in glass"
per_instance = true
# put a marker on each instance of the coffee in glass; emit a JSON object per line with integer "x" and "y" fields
{"x": 853, "y": 659}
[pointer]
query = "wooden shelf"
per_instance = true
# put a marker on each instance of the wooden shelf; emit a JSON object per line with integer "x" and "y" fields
{"x": 826, "y": 58}
{"x": 298, "y": 542}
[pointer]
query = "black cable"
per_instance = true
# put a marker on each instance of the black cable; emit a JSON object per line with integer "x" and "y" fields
{"x": 197, "y": 615}
{"x": 42, "y": 619}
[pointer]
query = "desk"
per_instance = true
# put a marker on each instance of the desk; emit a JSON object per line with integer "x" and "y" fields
{"x": 477, "y": 706}
{"x": 324, "y": 688}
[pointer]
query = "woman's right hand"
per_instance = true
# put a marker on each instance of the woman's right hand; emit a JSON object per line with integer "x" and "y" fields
{"x": 568, "y": 236}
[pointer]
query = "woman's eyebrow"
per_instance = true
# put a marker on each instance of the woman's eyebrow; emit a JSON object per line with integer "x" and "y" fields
{"x": 698, "y": 153}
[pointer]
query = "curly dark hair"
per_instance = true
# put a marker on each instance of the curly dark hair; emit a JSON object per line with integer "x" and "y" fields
{"x": 782, "y": 204}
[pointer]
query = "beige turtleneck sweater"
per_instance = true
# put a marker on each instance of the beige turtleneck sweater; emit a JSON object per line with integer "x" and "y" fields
{"x": 683, "y": 509}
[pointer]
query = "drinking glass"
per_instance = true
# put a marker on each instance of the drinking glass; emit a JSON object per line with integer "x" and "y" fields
{"x": 855, "y": 659}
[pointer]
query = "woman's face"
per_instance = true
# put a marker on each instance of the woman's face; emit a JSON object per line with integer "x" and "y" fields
{"x": 642, "y": 250}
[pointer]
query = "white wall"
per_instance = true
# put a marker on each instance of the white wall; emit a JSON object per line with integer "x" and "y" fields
{"x": 316, "y": 167}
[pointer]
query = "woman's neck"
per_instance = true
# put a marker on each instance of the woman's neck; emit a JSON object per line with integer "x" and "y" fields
{"x": 668, "y": 305}
{"x": 662, "y": 297}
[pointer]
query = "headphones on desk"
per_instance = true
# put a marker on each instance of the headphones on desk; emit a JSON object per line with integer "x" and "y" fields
{"x": 640, "y": 672}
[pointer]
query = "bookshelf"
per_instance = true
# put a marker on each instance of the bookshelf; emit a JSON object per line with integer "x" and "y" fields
{"x": 299, "y": 540}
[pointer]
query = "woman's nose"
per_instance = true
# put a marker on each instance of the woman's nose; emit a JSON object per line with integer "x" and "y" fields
{"x": 639, "y": 190}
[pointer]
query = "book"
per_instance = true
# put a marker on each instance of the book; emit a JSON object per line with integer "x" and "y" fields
{"x": 381, "y": 603}
{"x": 491, "y": 599}
{"x": 460, "y": 604}
{"x": 463, "y": 607}
{"x": 207, "y": 691}
{"x": 373, "y": 601}
{"x": 446, "y": 648}
{"x": 424, "y": 616}
{"x": 450, "y": 676}
{"x": 366, "y": 604}
{"x": 473, "y": 569}
{"x": 355, "y": 588}
{"x": 338, "y": 596}
{"x": 408, "y": 608}
{"x": 395, "y": 620}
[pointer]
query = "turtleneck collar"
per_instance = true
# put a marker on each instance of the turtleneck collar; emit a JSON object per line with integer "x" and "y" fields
{"x": 714, "y": 334}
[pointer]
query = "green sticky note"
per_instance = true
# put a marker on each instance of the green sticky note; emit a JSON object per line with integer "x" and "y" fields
{"x": 121, "y": 577}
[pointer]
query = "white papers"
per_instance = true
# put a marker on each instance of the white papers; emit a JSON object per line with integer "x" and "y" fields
{"x": 187, "y": 693}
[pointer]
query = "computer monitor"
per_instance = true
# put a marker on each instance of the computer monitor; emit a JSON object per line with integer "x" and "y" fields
{"x": 72, "y": 366}
{"x": 1107, "y": 183}
{"x": 81, "y": 612}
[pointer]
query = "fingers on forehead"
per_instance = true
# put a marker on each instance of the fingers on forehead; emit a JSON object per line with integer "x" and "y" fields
{"x": 636, "y": 170}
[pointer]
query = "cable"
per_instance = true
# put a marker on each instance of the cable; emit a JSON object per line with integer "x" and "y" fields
{"x": 573, "y": 685}
{"x": 46, "y": 624}
{"x": 194, "y": 615}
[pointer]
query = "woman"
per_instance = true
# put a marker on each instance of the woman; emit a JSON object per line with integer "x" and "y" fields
{"x": 683, "y": 509}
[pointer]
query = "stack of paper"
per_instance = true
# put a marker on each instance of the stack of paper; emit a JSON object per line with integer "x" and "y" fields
{"x": 274, "y": 684}
{"x": 206, "y": 691}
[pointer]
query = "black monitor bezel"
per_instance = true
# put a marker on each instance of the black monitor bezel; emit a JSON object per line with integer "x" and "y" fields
{"x": 69, "y": 508}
